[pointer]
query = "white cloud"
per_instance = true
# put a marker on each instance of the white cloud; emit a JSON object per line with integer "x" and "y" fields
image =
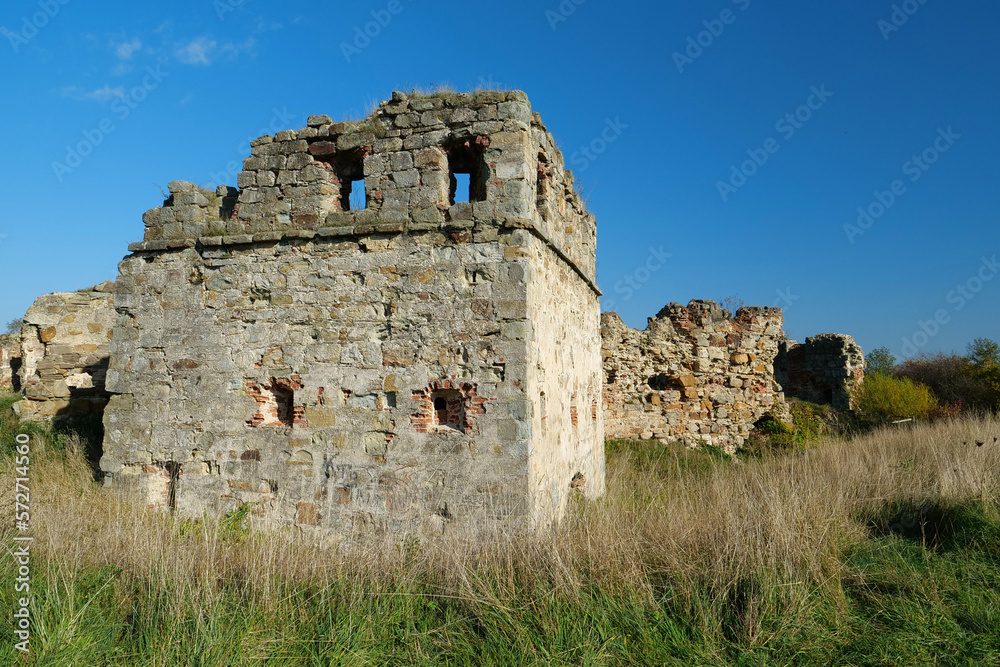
{"x": 197, "y": 52}
{"x": 125, "y": 50}
{"x": 100, "y": 95}
{"x": 232, "y": 50}
{"x": 203, "y": 51}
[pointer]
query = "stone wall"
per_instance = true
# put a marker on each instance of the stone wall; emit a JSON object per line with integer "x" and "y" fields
{"x": 824, "y": 369}
{"x": 10, "y": 361}
{"x": 695, "y": 374}
{"x": 64, "y": 354}
{"x": 419, "y": 363}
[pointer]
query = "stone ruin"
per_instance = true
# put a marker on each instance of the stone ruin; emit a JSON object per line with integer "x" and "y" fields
{"x": 63, "y": 357}
{"x": 433, "y": 357}
{"x": 430, "y": 359}
{"x": 695, "y": 375}
{"x": 10, "y": 361}
{"x": 825, "y": 369}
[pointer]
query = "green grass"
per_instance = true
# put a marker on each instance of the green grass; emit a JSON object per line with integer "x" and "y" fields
{"x": 904, "y": 604}
{"x": 921, "y": 586}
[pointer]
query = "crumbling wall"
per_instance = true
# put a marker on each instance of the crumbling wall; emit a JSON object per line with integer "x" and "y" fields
{"x": 10, "y": 361}
{"x": 824, "y": 369}
{"x": 366, "y": 369}
{"x": 696, "y": 374}
{"x": 64, "y": 354}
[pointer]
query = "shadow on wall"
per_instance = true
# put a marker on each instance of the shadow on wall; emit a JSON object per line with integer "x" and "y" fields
{"x": 822, "y": 370}
{"x": 84, "y": 415}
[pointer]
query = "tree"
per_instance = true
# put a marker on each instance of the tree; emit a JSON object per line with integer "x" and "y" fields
{"x": 14, "y": 326}
{"x": 984, "y": 354}
{"x": 880, "y": 360}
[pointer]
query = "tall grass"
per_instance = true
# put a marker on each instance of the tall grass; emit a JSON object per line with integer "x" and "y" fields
{"x": 690, "y": 558}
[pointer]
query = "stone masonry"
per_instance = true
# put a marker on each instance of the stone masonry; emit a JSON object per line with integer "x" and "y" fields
{"x": 430, "y": 360}
{"x": 10, "y": 361}
{"x": 64, "y": 354}
{"x": 696, "y": 374}
{"x": 824, "y": 369}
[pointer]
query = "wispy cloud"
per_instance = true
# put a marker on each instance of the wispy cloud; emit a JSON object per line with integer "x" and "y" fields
{"x": 203, "y": 50}
{"x": 232, "y": 49}
{"x": 185, "y": 100}
{"x": 100, "y": 94}
{"x": 124, "y": 50}
{"x": 197, "y": 52}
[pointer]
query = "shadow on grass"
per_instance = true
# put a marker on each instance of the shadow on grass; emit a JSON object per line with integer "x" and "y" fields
{"x": 940, "y": 526}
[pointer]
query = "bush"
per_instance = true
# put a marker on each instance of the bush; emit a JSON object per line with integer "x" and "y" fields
{"x": 953, "y": 379}
{"x": 809, "y": 422}
{"x": 881, "y": 398}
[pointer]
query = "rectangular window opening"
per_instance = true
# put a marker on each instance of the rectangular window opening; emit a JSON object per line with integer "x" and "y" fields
{"x": 467, "y": 172}
{"x": 357, "y": 197}
{"x": 349, "y": 175}
{"x": 449, "y": 410}
{"x": 461, "y": 188}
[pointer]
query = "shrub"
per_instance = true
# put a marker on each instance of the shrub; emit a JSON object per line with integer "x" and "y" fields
{"x": 809, "y": 422}
{"x": 881, "y": 398}
{"x": 953, "y": 379}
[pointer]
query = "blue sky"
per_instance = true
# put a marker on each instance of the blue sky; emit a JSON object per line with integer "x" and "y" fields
{"x": 674, "y": 115}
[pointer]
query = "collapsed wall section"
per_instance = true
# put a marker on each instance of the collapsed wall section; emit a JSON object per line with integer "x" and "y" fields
{"x": 10, "y": 361}
{"x": 824, "y": 369}
{"x": 696, "y": 374}
{"x": 64, "y": 354}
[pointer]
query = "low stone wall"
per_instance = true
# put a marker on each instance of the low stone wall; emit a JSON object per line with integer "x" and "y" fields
{"x": 10, "y": 361}
{"x": 695, "y": 374}
{"x": 824, "y": 369}
{"x": 65, "y": 348}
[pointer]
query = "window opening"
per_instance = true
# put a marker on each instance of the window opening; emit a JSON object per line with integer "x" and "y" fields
{"x": 357, "y": 197}
{"x": 467, "y": 172}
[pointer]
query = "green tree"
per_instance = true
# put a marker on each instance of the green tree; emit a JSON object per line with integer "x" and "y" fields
{"x": 14, "y": 326}
{"x": 985, "y": 357}
{"x": 880, "y": 360}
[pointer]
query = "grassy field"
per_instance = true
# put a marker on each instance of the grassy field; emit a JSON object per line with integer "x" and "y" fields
{"x": 880, "y": 550}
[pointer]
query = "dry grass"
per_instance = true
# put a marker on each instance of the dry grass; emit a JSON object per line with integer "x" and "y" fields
{"x": 709, "y": 532}
{"x": 721, "y": 523}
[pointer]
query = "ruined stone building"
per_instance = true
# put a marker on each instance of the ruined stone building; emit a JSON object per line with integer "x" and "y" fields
{"x": 427, "y": 357}
{"x": 394, "y": 324}
{"x": 694, "y": 375}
